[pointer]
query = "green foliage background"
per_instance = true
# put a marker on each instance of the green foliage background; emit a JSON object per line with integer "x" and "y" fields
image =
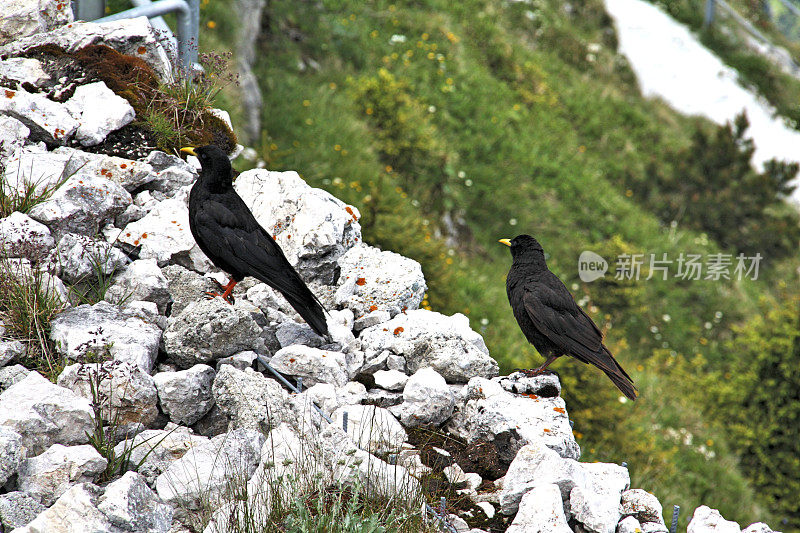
{"x": 513, "y": 117}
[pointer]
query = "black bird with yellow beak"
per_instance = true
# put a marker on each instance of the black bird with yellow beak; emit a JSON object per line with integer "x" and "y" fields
{"x": 549, "y": 317}
{"x": 228, "y": 233}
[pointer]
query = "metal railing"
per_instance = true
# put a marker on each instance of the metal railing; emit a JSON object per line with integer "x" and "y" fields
{"x": 710, "y": 14}
{"x": 184, "y": 43}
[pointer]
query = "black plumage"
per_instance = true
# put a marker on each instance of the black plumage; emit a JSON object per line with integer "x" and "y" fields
{"x": 228, "y": 233}
{"x": 549, "y": 317}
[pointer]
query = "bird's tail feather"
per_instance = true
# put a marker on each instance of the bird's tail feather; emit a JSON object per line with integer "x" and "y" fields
{"x": 310, "y": 308}
{"x": 623, "y": 384}
{"x": 617, "y": 375}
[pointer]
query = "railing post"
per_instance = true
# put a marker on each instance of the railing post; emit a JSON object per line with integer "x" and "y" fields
{"x": 188, "y": 21}
{"x": 708, "y": 17}
{"x": 88, "y": 9}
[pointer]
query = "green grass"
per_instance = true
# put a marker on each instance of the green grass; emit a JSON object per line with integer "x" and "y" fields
{"x": 28, "y": 302}
{"x": 521, "y": 118}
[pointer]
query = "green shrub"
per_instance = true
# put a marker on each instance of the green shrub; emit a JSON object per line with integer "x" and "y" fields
{"x": 405, "y": 137}
{"x": 758, "y": 402}
{"x": 713, "y": 188}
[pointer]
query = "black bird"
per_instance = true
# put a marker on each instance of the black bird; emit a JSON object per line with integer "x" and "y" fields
{"x": 549, "y": 317}
{"x": 233, "y": 240}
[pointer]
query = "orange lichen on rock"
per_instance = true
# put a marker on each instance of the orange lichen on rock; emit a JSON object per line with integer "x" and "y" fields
{"x": 398, "y": 331}
{"x": 361, "y": 281}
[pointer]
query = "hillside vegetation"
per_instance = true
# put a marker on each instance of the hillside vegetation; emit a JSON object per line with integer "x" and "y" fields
{"x": 453, "y": 124}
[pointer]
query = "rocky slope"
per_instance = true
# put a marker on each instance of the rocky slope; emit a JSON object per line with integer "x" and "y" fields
{"x": 400, "y": 397}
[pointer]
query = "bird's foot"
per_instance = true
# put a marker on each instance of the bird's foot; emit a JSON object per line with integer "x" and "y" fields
{"x": 531, "y": 372}
{"x": 211, "y": 295}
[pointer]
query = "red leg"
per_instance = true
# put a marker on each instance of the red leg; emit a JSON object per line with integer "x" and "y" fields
{"x": 227, "y": 289}
{"x": 537, "y": 371}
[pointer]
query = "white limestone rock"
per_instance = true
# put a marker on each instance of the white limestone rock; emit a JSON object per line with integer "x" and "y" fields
{"x": 185, "y": 396}
{"x": 652, "y": 527}
{"x": 44, "y": 414}
{"x": 10, "y": 350}
{"x": 312, "y": 364}
{"x": 129, "y": 36}
{"x": 80, "y": 259}
{"x": 460, "y": 479}
{"x": 171, "y": 173}
{"x": 591, "y": 492}
{"x": 329, "y": 398}
{"x": 396, "y": 362}
{"x": 21, "y": 236}
{"x": 24, "y": 69}
{"x": 427, "y": 400}
{"x": 642, "y": 505}
{"x": 202, "y": 474}
{"x": 251, "y": 400}
{"x": 153, "y": 450}
{"x": 374, "y": 280}
{"x": 240, "y": 361}
{"x": 758, "y": 527}
{"x": 50, "y": 474}
{"x": 13, "y": 135}
{"x": 19, "y": 18}
{"x": 186, "y": 286}
{"x": 427, "y": 338}
{"x": 210, "y": 329}
{"x": 487, "y": 413}
{"x": 290, "y": 333}
{"x": 598, "y": 506}
{"x": 536, "y": 464}
{"x": 12, "y": 374}
{"x": 313, "y": 228}
{"x": 376, "y": 361}
{"x": 340, "y": 329}
{"x": 34, "y": 165}
{"x": 12, "y": 454}
{"x": 541, "y": 511}
{"x": 83, "y": 204}
{"x": 373, "y": 318}
{"x": 128, "y": 335}
{"x": 126, "y": 393}
{"x": 597, "y": 512}
{"x": 18, "y": 508}
{"x": 707, "y": 520}
{"x": 47, "y": 120}
{"x": 130, "y": 174}
{"x": 131, "y": 506}
{"x": 629, "y": 524}
{"x": 391, "y": 379}
{"x": 74, "y": 512}
{"x": 349, "y": 463}
{"x": 163, "y": 234}
{"x": 371, "y": 428}
{"x": 544, "y": 385}
{"x": 99, "y": 111}
{"x": 142, "y": 280}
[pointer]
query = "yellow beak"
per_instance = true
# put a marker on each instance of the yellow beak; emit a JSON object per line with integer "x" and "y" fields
{"x": 189, "y": 150}
{"x": 507, "y": 242}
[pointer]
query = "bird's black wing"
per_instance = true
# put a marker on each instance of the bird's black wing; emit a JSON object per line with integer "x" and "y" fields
{"x": 555, "y": 314}
{"x": 232, "y": 232}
